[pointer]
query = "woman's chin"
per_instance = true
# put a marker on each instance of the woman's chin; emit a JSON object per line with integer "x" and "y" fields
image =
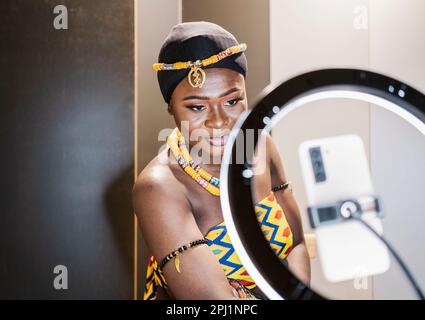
{"x": 214, "y": 155}
{"x": 211, "y": 154}
{"x": 205, "y": 151}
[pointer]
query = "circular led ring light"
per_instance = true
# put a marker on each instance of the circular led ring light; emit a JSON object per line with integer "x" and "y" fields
{"x": 269, "y": 273}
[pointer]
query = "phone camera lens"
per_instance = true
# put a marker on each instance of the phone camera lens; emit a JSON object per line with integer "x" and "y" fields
{"x": 320, "y": 176}
{"x": 315, "y": 154}
{"x": 318, "y": 165}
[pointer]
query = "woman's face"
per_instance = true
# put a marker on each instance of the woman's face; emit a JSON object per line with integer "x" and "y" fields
{"x": 209, "y": 113}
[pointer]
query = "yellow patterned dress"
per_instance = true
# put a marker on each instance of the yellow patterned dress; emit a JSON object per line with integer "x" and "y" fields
{"x": 276, "y": 230}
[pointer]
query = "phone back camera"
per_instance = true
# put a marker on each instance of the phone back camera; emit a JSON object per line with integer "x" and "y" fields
{"x": 317, "y": 164}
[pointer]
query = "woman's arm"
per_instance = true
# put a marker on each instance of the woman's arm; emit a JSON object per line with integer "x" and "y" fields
{"x": 167, "y": 223}
{"x": 298, "y": 259}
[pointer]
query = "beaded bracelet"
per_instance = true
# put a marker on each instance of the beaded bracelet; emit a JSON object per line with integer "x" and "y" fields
{"x": 284, "y": 185}
{"x": 179, "y": 250}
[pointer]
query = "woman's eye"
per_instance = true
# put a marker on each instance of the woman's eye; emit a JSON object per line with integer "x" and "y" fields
{"x": 196, "y": 108}
{"x": 233, "y": 101}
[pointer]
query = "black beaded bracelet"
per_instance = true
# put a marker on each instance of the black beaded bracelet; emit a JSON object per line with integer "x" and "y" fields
{"x": 284, "y": 185}
{"x": 180, "y": 250}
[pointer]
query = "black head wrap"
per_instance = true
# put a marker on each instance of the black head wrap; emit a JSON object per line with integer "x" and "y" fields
{"x": 191, "y": 41}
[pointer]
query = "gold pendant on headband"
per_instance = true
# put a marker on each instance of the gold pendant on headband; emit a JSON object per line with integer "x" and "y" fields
{"x": 196, "y": 77}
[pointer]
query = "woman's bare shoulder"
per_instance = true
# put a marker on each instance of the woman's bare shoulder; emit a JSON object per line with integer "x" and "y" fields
{"x": 159, "y": 180}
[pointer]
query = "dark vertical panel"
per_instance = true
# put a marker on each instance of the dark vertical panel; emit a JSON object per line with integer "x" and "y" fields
{"x": 66, "y": 134}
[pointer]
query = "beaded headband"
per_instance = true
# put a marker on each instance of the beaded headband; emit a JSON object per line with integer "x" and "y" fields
{"x": 196, "y": 76}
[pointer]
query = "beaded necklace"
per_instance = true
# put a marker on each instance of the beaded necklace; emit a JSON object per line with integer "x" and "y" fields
{"x": 177, "y": 145}
{"x": 196, "y": 76}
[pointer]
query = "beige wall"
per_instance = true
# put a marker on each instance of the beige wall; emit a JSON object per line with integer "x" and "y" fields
{"x": 306, "y": 35}
{"x": 152, "y": 113}
{"x": 397, "y": 48}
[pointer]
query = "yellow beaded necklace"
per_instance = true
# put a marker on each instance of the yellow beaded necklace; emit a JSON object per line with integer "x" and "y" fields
{"x": 177, "y": 145}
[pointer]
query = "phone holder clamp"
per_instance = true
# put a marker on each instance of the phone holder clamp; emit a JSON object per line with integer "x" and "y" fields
{"x": 343, "y": 210}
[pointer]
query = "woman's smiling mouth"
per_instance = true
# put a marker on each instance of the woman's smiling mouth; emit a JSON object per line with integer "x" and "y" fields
{"x": 218, "y": 141}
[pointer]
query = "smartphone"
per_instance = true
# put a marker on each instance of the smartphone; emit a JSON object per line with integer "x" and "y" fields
{"x": 336, "y": 169}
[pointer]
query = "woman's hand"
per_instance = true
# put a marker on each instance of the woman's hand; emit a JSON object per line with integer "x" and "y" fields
{"x": 299, "y": 263}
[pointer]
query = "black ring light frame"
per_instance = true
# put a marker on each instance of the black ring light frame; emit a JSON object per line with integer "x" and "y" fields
{"x": 270, "y": 274}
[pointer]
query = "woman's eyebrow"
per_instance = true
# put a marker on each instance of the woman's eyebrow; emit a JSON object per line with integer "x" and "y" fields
{"x": 206, "y": 98}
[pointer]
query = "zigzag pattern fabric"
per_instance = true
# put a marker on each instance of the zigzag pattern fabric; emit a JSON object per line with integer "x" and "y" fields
{"x": 274, "y": 226}
{"x": 154, "y": 278}
{"x": 219, "y": 243}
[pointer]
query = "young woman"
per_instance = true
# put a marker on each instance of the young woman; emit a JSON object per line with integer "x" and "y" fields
{"x": 201, "y": 74}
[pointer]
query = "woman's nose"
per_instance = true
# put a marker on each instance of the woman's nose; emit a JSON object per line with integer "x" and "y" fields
{"x": 217, "y": 119}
